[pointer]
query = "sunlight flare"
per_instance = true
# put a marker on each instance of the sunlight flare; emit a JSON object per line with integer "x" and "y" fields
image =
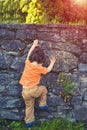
{"x": 81, "y": 2}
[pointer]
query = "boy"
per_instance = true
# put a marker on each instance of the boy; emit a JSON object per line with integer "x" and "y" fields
{"x": 30, "y": 81}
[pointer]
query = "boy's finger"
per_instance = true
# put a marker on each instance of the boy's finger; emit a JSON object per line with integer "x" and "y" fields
{"x": 36, "y": 41}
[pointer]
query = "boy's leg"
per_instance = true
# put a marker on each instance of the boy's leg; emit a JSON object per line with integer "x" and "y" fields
{"x": 40, "y": 92}
{"x": 43, "y": 96}
{"x": 29, "y": 111}
{"x": 29, "y": 104}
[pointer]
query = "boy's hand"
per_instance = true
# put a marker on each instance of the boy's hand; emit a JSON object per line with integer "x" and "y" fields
{"x": 36, "y": 43}
{"x": 53, "y": 59}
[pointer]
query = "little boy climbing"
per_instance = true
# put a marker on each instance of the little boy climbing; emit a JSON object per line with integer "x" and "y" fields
{"x": 30, "y": 81}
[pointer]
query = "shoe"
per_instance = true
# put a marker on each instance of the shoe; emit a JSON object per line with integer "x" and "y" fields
{"x": 43, "y": 107}
{"x": 30, "y": 124}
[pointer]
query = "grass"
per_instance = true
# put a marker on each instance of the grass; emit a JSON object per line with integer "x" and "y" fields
{"x": 55, "y": 124}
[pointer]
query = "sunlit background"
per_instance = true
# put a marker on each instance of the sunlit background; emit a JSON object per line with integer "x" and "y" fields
{"x": 43, "y": 11}
{"x": 80, "y": 2}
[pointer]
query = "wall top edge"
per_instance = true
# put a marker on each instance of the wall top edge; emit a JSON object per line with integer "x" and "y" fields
{"x": 42, "y": 25}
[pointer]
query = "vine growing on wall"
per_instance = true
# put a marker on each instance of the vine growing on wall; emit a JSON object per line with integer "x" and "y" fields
{"x": 67, "y": 85}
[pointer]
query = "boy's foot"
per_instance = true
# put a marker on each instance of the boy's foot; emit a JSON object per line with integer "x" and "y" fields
{"x": 43, "y": 107}
{"x": 30, "y": 124}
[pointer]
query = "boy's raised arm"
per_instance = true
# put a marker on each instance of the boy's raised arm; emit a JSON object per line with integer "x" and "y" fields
{"x": 52, "y": 61}
{"x": 32, "y": 48}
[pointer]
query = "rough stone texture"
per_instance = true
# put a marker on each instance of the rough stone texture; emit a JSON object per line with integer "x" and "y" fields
{"x": 81, "y": 113}
{"x": 69, "y": 44}
{"x": 83, "y": 57}
{"x": 82, "y": 67}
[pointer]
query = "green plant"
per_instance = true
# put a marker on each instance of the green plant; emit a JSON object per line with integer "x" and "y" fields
{"x": 60, "y": 124}
{"x": 56, "y": 124}
{"x": 10, "y": 12}
{"x": 16, "y": 124}
{"x": 78, "y": 126}
{"x": 68, "y": 87}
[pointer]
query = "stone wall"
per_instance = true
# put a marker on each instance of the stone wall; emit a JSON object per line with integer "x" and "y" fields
{"x": 69, "y": 44}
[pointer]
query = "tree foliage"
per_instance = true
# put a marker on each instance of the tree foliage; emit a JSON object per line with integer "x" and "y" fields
{"x": 54, "y": 10}
{"x": 35, "y": 12}
{"x": 42, "y": 11}
{"x": 74, "y": 12}
{"x": 10, "y": 11}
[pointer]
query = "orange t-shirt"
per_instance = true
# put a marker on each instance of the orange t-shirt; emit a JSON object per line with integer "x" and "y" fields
{"x": 32, "y": 74}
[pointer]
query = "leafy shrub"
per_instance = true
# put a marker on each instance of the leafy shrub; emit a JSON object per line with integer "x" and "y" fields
{"x": 68, "y": 87}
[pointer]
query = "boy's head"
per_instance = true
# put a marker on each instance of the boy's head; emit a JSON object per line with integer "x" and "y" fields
{"x": 37, "y": 55}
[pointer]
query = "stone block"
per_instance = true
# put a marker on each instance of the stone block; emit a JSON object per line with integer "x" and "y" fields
{"x": 81, "y": 114}
{"x": 55, "y": 101}
{"x": 13, "y": 114}
{"x": 83, "y": 57}
{"x": 64, "y": 46}
{"x": 83, "y": 82}
{"x": 4, "y": 79}
{"x": 14, "y": 45}
{"x": 7, "y": 34}
{"x": 13, "y": 89}
{"x": 27, "y": 34}
{"x": 54, "y": 37}
{"x": 85, "y": 96}
{"x": 5, "y": 60}
{"x": 18, "y": 64}
{"x": 11, "y": 102}
{"x": 84, "y": 45}
{"x": 82, "y": 67}
{"x": 2, "y": 88}
{"x": 65, "y": 61}
{"x": 84, "y": 103}
{"x": 76, "y": 100}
